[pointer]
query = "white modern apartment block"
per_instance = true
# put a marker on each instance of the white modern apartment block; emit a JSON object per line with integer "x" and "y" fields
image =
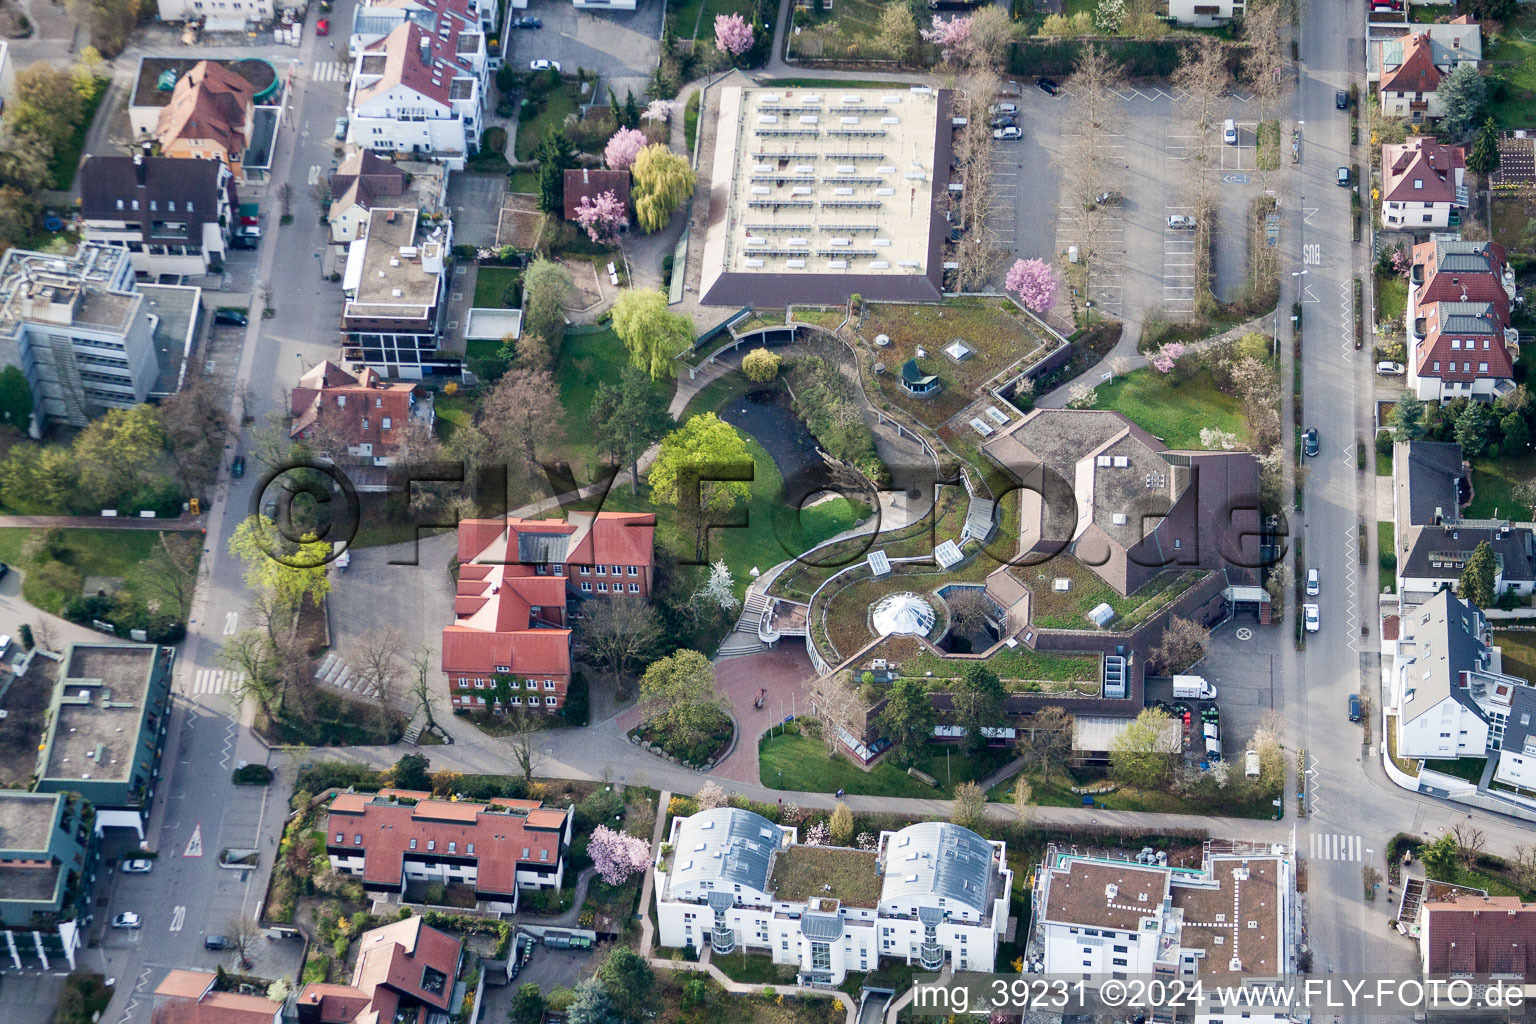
{"x": 1204, "y": 13}
{"x": 930, "y": 893}
{"x": 1448, "y": 690}
{"x": 78, "y": 330}
{"x": 219, "y": 15}
{"x": 373, "y": 21}
{"x": 1099, "y": 918}
{"x": 412, "y": 94}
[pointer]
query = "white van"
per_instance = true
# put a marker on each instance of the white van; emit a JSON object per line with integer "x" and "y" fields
{"x": 1229, "y": 132}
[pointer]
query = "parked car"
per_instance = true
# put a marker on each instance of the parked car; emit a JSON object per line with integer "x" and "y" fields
{"x": 1108, "y": 199}
{"x": 237, "y": 467}
{"x": 230, "y": 318}
{"x": 323, "y": 27}
{"x": 217, "y": 942}
{"x": 1048, "y": 86}
{"x": 250, "y": 230}
{"x": 1313, "y": 584}
{"x": 1181, "y": 221}
{"x": 244, "y": 242}
{"x": 341, "y": 128}
{"x": 543, "y": 65}
{"x": 137, "y": 867}
{"x": 1310, "y": 617}
{"x": 1387, "y": 368}
{"x": 1007, "y": 133}
{"x": 1343, "y": 177}
{"x": 127, "y": 919}
{"x": 1004, "y": 121}
{"x": 1229, "y": 132}
{"x": 527, "y": 21}
{"x": 1341, "y": 100}
{"x": 5, "y": 643}
{"x": 1354, "y": 707}
{"x": 1309, "y": 441}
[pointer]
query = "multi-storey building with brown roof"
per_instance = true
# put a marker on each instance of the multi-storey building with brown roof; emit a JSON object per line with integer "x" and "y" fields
{"x": 1477, "y": 934}
{"x": 189, "y": 997}
{"x": 510, "y": 642}
{"x": 405, "y": 974}
{"x": 357, "y": 419}
{"x": 397, "y": 837}
{"x": 1460, "y": 344}
{"x": 1423, "y": 185}
{"x": 1411, "y": 67}
{"x": 211, "y": 116}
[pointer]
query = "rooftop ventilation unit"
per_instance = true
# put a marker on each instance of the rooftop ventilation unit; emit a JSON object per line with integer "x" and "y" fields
{"x": 794, "y": 264}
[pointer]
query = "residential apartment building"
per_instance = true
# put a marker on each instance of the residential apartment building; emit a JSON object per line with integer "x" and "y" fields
{"x": 1409, "y": 68}
{"x": 172, "y": 216}
{"x": 48, "y": 862}
{"x": 357, "y": 420}
{"x": 1460, "y": 343}
{"x": 1235, "y": 915}
{"x": 405, "y": 971}
{"x": 1477, "y": 934}
{"x": 189, "y": 997}
{"x": 79, "y": 331}
{"x": 1447, "y": 690}
{"x": 510, "y": 642}
{"x": 395, "y": 284}
{"x": 398, "y": 837}
{"x": 1204, "y": 13}
{"x": 376, "y": 19}
{"x": 106, "y": 729}
{"x": 211, "y": 116}
{"x": 929, "y": 895}
{"x": 1517, "y": 748}
{"x": 1432, "y": 541}
{"x": 220, "y": 15}
{"x": 1423, "y": 185}
{"x": 420, "y": 92}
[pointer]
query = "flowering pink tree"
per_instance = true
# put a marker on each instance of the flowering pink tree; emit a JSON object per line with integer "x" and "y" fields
{"x": 622, "y": 149}
{"x": 952, "y": 36}
{"x": 1035, "y": 282}
{"x": 1166, "y": 356}
{"x": 732, "y": 34}
{"x": 603, "y": 217}
{"x": 1402, "y": 261}
{"x": 659, "y": 110}
{"x": 617, "y": 855}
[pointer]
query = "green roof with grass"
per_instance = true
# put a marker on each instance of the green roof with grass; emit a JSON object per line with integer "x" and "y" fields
{"x": 802, "y": 873}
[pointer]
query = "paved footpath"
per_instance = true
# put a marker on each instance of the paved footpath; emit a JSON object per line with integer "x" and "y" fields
{"x": 182, "y": 522}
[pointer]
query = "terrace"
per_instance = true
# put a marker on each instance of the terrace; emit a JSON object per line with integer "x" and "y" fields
{"x": 801, "y": 873}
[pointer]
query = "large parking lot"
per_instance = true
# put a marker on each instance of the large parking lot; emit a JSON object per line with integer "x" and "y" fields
{"x": 1141, "y": 262}
{"x": 621, "y": 46}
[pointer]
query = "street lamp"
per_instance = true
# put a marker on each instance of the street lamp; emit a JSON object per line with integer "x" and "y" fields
{"x": 1294, "y": 273}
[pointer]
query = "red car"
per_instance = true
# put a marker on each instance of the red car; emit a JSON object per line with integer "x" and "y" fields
{"x": 323, "y": 27}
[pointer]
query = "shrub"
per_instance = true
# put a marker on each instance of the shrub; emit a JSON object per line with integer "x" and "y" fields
{"x": 253, "y": 775}
{"x": 760, "y": 365}
{"x": 494, "y": 139}
{"x": 577, "y": 701}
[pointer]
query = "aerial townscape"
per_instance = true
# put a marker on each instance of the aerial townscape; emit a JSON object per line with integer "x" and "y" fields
{"x": 765, "y": 511}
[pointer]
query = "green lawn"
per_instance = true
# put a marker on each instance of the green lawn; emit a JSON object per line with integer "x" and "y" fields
{"x": 523, "y": 181}
{"x": 589, "y": 356}
{"x": 685, "y": 15}
{"x": 90, "y": 552}
{"x": 1513, "y": 59}
{"x": 1244, "y": 802}
{"x": 492, "y": 284}
{"x": 850, "y": 30}
{"x": 558, "y": 103}
{"x": 453, "y": 411}
{"x": 1493, "y": 486}
{"x": 1467, "y": 768}
{"x": 801, "y": 763}
{"x": 1391, "y": 298}
{"x": 1386, "y": 557}
{"x": 1173, "y": 411}
{"x": 1383, "y": 463}
{"x": 1518, "y": 648}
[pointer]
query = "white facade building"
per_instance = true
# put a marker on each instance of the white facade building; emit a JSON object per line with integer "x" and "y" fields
{"x": 1100, "y": 919}
{"x": 1204, "y": 13}
{"x": 78, "y": 330}
{"x": 932, "y": 892}
{"x": 219, "y": 15}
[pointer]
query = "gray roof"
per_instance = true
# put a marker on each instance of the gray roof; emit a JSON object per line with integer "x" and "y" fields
{"x": 1463, "y": 257}
{"x": 1469, "y": 318}
{"x": 1521, "y": 727}
{"x": 1444, "y": 634}
{"x": 1426, "y": 474}
{"x": 941, "y": 859}
{"x": 173, "y": 197}
{"x": 822, "y": 927}
{"x": 725, "y": 845}
{"x": 536, "y": 548}
{"x": 1452, "y": 545}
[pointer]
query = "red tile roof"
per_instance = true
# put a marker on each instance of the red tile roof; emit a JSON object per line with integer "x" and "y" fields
{"x": 1483, "y": 935}
{"x": 405, "y": 65}
{"x": 183, "y": 997}
{"x": 333, "y": 402}
{"x": 397, "y": 957}
{"x": 1459, "y": 350}
{"x": 1417, "y": 72}
{"x": 1425, "y": 161}
{"x": 615, "y": 538}
{"x": 590, "y": 181}
{"x": 338, "y": 1004}
{"x": 499, "y": 838}
{"x": 209, "y": 102}
{"x": 1461, "y": 286}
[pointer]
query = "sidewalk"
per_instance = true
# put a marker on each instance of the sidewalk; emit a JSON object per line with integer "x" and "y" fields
{"x": 181, "y": 522}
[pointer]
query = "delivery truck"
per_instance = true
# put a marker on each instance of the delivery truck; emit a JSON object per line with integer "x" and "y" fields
{"x": 1193, "y": 688}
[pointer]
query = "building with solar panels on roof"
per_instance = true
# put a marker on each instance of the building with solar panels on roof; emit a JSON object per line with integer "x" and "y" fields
{"x": 928, "y": 894}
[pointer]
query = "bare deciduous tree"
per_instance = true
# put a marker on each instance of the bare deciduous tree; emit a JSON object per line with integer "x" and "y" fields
{"x": 529, "y": 758}
{"x": 1204, "y": 78}
{"x": 836, "y": 700}
{"x": 1266, "y": 29}
{"x": 377, "y": 660}
{"x": 617, "y": 632}
{"x": 421, "y": 691}
{"x": 1470, "y": 841}
{"x": 170, "y": 571}
{"x": 1045, "y": 741}
{"x": 969, "y": 610}
{"x": 242, "y": 933}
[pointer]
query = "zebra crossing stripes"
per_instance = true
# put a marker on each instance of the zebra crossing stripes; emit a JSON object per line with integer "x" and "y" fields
{"x": 331, "y": 71}
{"x": 1333, "y": 846}
{"x": 215, "y": 680}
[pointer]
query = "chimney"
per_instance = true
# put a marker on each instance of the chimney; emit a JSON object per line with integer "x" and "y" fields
{"x": 138, "y": 168}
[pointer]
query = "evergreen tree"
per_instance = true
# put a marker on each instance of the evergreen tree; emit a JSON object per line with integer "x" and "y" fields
{"x": 555, "y": 156}
{"x": 1476, "y": 583}
{"x": 1485, "y": 150}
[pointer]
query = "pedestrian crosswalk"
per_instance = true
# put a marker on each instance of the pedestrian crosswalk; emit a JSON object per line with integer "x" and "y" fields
{"x": 1333, "y": 846}
{"x": 331, "y": 71}
{"x": 216, "y": 680}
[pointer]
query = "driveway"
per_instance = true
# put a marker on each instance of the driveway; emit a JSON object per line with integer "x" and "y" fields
{"x": 416, "y": 599}
{"x": 620, "y": 46}
{"x": 475, "y": 200}
{"x": 1244, "y": 665}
